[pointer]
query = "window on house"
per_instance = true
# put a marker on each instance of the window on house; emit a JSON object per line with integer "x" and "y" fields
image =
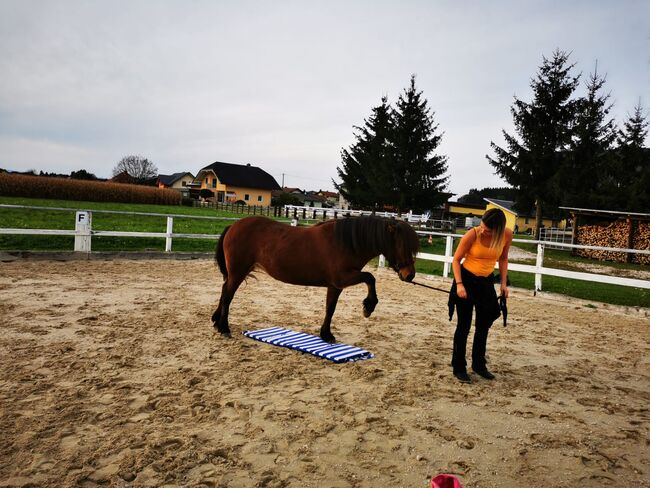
{"x": 214, "y": 182}
{"x": 527, "y": 220}
{"x": 247, "y": 197}
{"x": 259, "y": 198}
{"x": 207, "y": 181}
{"x": 184, "y": 183}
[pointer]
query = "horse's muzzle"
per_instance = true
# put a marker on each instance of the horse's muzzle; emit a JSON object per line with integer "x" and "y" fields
{"x": 408, "y": 278}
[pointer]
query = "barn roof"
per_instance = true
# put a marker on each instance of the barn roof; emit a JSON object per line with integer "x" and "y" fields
{"x": 242, "y": 175}
{"x": 504, "y": 204}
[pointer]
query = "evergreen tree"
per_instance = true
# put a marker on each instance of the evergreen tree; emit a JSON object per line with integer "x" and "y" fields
{"x": 544, "y": 126}
{"x": 366, "y": 162}
{"x": 586, "y": 178}
{"x": 633, "y": 181}
{"x": 418, "y": 175}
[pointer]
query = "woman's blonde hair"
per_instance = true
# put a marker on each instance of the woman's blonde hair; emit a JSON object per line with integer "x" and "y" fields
{"x": 495, "y": 220}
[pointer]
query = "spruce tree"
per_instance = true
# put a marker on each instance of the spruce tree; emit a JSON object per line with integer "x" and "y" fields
{"x": 365, "y": 163}
{"x": 531, "y": 162}
{"x": 586, "y": 178}
{"x": 633, "y": 182}
{"x": 418, "y": 175}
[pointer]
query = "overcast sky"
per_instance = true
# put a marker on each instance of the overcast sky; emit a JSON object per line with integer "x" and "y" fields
{"x": 280, "y": 84}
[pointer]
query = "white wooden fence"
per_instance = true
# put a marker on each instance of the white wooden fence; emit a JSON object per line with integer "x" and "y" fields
{"x": 538, "y": 269}
{"x": 83, "y": 234}
{"x": 423, "y": 220}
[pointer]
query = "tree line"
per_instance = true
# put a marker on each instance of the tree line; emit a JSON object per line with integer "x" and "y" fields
{"x": 566, "y": 150}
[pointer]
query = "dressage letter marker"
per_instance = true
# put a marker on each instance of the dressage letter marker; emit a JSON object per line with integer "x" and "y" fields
{"x": 339, "y": 353}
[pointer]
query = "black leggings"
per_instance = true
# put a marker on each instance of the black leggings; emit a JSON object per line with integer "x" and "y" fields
{"x": 480, "y": 290}
{"x": 481, "y": 329}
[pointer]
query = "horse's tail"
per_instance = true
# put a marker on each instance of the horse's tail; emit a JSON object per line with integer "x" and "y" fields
{"x": 220, "y": 257}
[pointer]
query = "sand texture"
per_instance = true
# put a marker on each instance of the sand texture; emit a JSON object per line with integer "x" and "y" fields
{"x": 112, "y": 375}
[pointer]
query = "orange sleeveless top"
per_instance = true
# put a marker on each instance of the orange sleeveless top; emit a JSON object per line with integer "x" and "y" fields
{"x": 480, "y": 260}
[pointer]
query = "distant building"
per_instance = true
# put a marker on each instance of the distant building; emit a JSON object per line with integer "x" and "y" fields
{"x": 331, "y": 198}
{"x": 122, "y": 177}
{"x": 232, "y": 183}
{"x": 178, "y": 181}
{"x": 520, "y": 222}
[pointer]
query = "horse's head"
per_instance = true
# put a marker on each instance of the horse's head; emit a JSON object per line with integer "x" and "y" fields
{"x": 405, "y": 245}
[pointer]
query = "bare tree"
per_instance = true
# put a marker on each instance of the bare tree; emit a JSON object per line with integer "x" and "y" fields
{"x": 138, "y": 168}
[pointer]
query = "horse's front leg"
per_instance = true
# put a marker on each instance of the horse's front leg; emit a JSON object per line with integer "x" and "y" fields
{"x": 330, "y": 306}
{"x": 371, "y": 301}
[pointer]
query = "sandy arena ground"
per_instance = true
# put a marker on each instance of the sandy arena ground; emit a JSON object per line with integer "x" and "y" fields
{"x": 111, "y": 374}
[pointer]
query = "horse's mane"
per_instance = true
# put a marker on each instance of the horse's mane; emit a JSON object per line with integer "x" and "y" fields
{"x": 370, "y": 234}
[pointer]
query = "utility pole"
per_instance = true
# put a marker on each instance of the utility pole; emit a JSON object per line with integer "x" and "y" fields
{"x": 282, "y": 180}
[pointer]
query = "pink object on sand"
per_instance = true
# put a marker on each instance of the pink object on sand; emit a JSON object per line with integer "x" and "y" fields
{"x": 445, "y": 481}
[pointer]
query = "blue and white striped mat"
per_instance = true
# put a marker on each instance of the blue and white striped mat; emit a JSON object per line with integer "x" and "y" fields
{"x": 339, "y": 353}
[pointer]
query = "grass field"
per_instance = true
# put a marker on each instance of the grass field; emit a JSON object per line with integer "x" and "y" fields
{"x": 56, "y": 219}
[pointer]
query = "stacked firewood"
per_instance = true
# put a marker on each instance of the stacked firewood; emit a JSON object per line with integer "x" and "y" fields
{"x": 642, "y": 241}
{"x": 614, "y": 234}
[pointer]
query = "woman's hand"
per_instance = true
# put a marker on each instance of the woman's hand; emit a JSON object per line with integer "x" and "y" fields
{"x": 505, "y": 291}
{"x": 460, "y": 290}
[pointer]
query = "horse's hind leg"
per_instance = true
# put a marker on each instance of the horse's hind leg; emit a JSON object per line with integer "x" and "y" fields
{"x": 220, "y": 316}
{"x": 332, "y": 299}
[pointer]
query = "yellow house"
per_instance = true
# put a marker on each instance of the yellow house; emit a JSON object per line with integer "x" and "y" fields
{"x": 517, "y": 222}
{"x": 457, "y": 209}
{"x": 232, "y": 183}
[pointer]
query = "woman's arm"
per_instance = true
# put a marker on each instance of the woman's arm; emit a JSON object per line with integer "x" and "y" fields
{"x": 462, "y": 249}
{"x": 503, "y": 263}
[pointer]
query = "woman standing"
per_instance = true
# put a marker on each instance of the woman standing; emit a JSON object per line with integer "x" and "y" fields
{"x": 473, "y": 288}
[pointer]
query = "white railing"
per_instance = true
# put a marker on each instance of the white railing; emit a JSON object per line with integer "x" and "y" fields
{"x": 312, "y": 213}
{"x": 538, "y": 269}
{"x": 83, "y": 234}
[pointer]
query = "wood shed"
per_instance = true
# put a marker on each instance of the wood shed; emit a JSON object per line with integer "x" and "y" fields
{"x": 609, "y": 228}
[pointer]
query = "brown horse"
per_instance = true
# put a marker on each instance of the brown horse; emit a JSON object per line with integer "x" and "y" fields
{"x": 330, "y": 254}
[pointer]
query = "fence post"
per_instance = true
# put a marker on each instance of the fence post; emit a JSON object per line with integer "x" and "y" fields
{"x": 382, "y": 261}
{"x": 168, "y": 239}
{"x": 449, "y": 246}
{"x": 538, "y": 264}
{"x": 83, "y": 226}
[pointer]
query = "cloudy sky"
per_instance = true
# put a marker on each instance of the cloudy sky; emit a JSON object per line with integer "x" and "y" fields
{"x": 280, "y": 84}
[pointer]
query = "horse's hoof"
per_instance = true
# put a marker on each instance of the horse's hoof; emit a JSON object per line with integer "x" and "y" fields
{"x": 368, "y": 307}
{"x": 225, "y": 332}
{"x": 328, "y": 338}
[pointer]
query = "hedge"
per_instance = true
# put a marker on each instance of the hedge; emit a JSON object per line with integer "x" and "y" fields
{"x": 16, "y": 185}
